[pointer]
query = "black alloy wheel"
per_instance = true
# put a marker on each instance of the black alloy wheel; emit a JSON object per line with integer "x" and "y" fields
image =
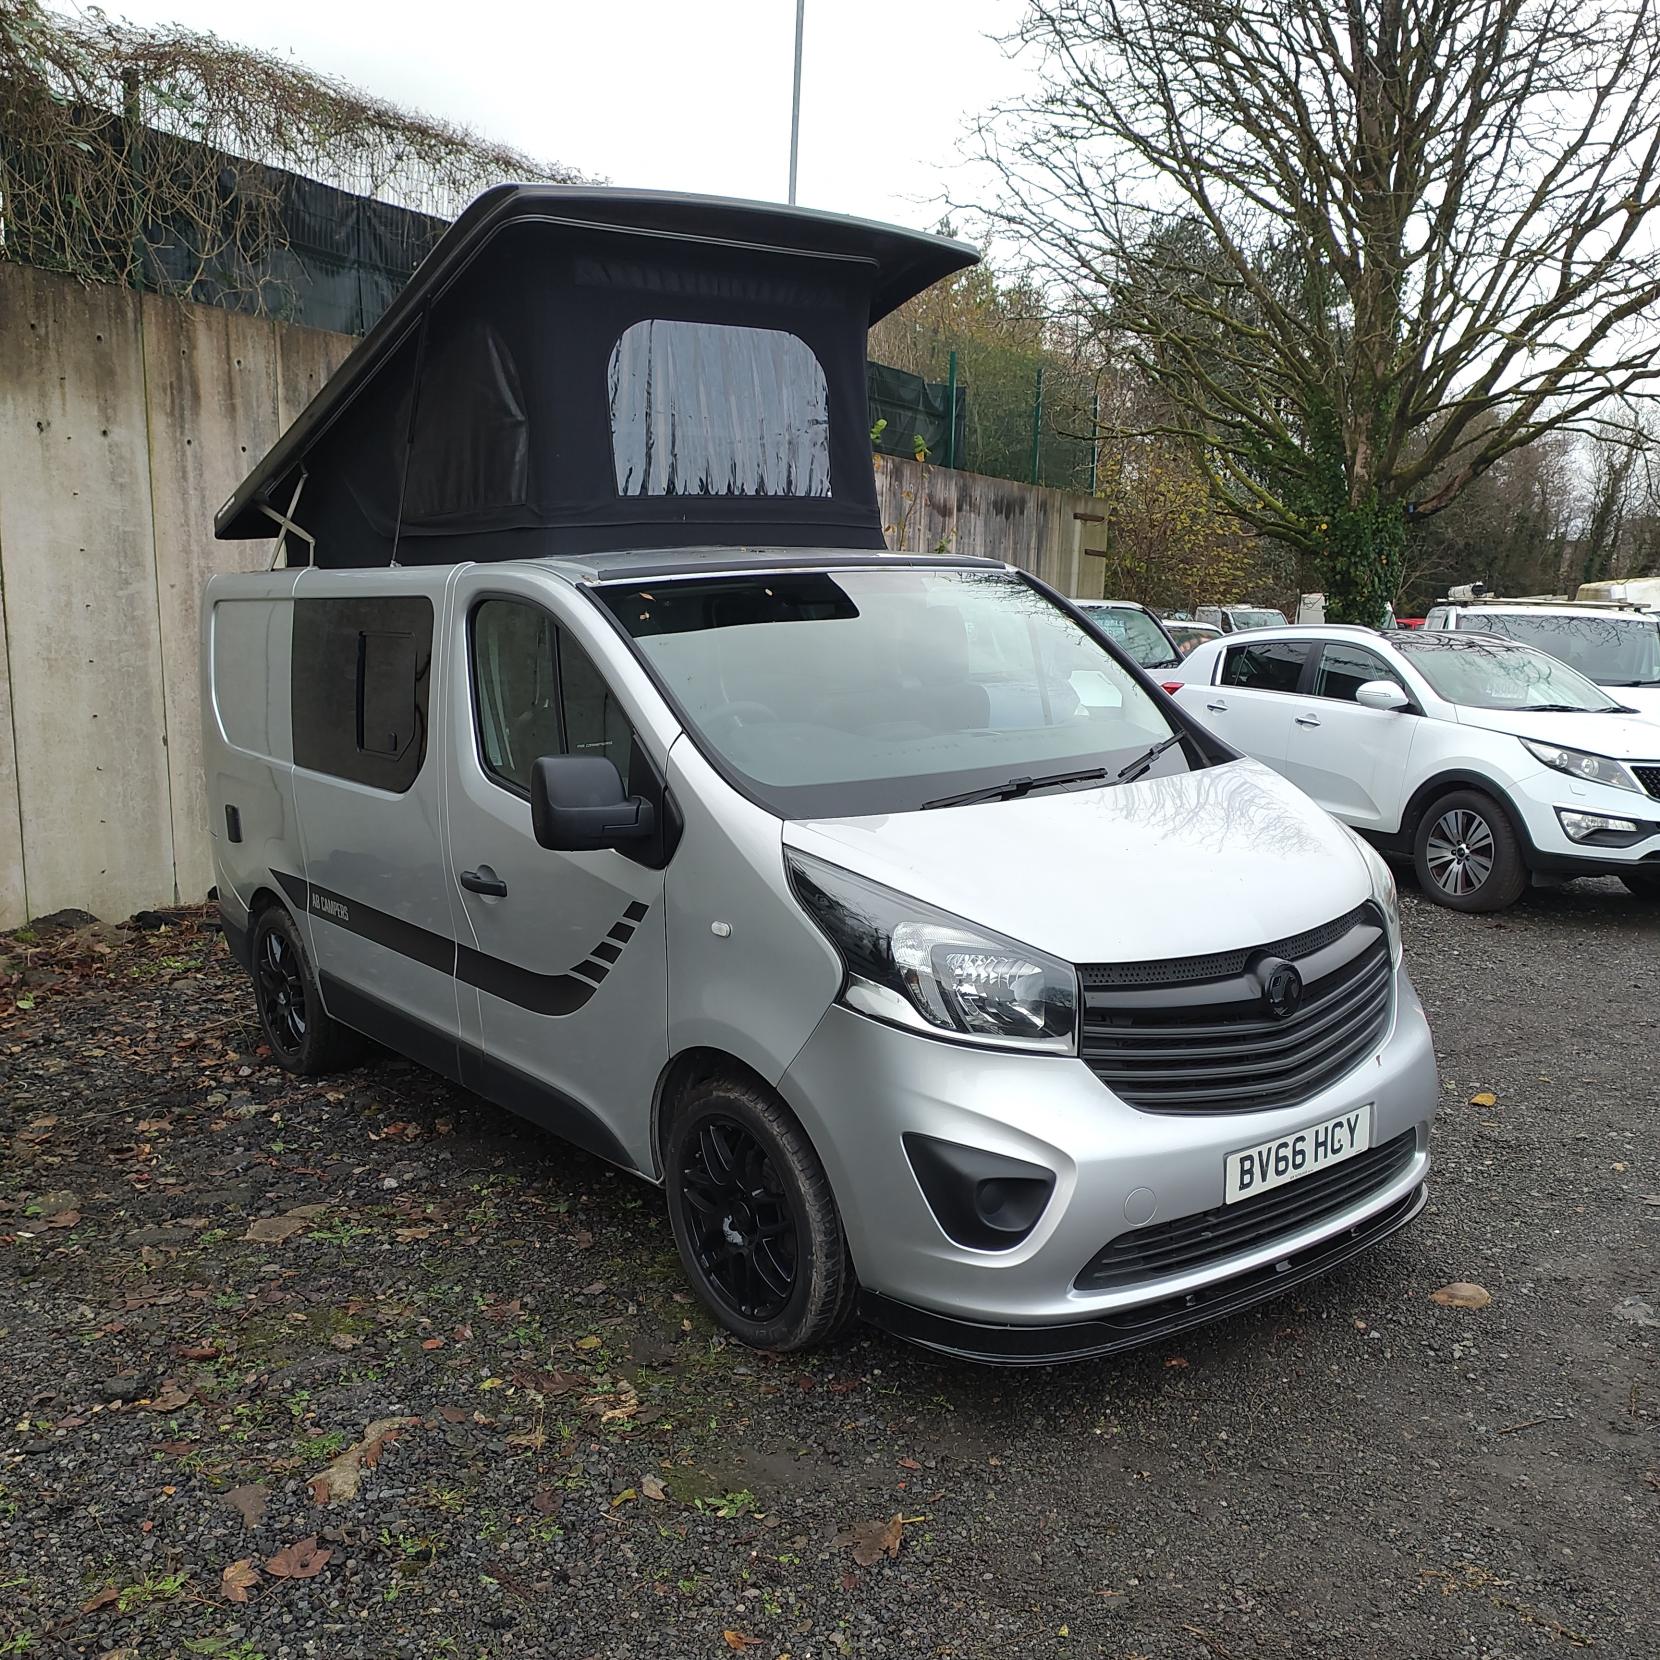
{"x": 302, "y": 1036}
{"x": 753, "y": 1216}
{"x": 744, "y": 1231}
{"x": 281, "y": 987}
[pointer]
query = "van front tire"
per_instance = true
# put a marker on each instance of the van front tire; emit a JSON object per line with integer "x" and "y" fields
{"x": 301, "y": 1036}
{"x": 753, "y": 1216}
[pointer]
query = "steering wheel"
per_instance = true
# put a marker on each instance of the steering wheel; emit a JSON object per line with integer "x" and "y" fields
{"x": 739, "y": 714}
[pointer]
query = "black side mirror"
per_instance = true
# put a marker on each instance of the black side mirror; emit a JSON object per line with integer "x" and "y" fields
{"x": 577, "y": 805}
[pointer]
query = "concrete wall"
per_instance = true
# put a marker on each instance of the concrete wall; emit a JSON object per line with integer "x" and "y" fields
{"x": 125, "y": 421}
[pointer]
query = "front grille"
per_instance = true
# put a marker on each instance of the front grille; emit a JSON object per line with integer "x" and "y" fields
{"x": 1200, "y": 1040}
{"x": 1649, "y": 778}
{"x": 1168, "y": 1248}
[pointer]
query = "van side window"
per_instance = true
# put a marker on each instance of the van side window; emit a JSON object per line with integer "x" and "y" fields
{"x": 1437, "y": 617}
{"x": 536, "y": 692}
{"x": 515, "y": 688}
{"x": 1267, "y": 666}
{"x": 594, "y": 721}
{"x": 1344, "y": 669}
{"x": 360, "y": 670}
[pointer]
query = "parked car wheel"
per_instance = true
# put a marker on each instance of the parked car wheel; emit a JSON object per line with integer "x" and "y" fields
{"x": 1644, "y": 884}
{"x": 302, "y": 1037}
{"x": 1468, "y": 855}
{"x": 754, "y": 1218}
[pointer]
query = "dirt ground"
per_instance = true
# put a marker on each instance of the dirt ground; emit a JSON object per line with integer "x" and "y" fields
{"x": 366, "y": 1368}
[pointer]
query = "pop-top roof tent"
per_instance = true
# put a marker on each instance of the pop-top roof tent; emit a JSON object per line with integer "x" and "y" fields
{"x": 577, "y": 370}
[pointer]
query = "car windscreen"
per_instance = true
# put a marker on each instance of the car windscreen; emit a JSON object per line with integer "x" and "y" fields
{"x": 1613, "y": 649}
{"x": 1135, "y": 633}
{"x": 1487, "y": 674}
{"x": 836, "y": 693}
{"x": 1250, "y": 616}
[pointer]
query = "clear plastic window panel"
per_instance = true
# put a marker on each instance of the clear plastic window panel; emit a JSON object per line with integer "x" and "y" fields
{"x": 705, "y": 409}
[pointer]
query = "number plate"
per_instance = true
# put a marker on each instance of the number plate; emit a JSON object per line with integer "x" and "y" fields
{"x": 1269, "y": 1164}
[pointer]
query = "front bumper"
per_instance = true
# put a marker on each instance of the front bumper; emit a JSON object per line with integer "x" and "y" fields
{"x": 1543, "y": 795}
{"x": 859, "y": 1086}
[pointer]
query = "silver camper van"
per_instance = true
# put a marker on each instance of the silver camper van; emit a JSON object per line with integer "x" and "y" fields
{"x": 583, "y": 744}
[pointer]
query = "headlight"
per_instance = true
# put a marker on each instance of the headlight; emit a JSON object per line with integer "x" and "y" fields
{"x": 1384, "y": 894}
{"x": 914, "y": 966}
{"x": 1577, "y": 763}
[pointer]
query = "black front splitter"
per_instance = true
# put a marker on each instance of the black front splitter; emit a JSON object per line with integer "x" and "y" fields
{"x": 1051, "y": 1345}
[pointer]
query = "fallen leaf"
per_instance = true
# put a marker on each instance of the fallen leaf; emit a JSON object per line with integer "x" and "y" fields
{"x": 433, "y": 1343}
{"x": 248, "y": 1502}
{"x": 587, "y": 1342}
{"x": 240, "y": 1578}
{"x": 101, "y": 1599}
{"x": 273, "y": 1230}
{"x": 1176, "y": 1362}
{"x": 339, "y": 1481}
{"x": 199, "y": 1351}
{"x": 1461, "y": 1294}
{"x": 545, "y": 1500}
{"x": 169, "y": 1398}
{"x": 344, "y": 1340}
{"x": 300, "y": 1560}
{"x": 653, "y": 1488}
{"x": 736, "y": 1641}
{"x": 909, "y": 1464}
{"x": 408, "y": 1236}
{"x": 1484, "y": 1098}
{"x": 871, "y": 1541}
{"x": 64, "y": 1219}
{"x": 454, "y": 1414}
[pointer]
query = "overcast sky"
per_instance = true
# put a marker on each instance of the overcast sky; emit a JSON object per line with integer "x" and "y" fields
{"x": 678, "y": 94}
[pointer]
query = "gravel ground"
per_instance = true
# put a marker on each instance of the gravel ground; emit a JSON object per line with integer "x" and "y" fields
{"x": 476, "y": 1346}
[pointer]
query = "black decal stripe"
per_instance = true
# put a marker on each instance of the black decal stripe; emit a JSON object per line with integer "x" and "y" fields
{"x": 636, "y": 912}
{"x": 540, "y": 993}
{"x": 549, "y": 994}
{"x": 622, "y": 933}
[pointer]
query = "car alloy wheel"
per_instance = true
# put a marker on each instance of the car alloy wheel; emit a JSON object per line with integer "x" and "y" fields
{"x": 745, "y": 1236}
{"x": 281, "y": 991}
{"x": 1460, "y": 852}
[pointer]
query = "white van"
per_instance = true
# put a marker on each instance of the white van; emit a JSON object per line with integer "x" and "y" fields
{"x": 932, "y": 961}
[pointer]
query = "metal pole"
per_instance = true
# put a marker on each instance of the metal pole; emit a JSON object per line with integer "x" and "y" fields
{"x": 951, "y": 411}
{"x": 1037, "y": 421}
{"x": 795, "y": 100}
{"x": 1095, "y": 444}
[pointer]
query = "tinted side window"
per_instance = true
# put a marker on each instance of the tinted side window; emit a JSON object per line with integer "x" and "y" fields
{"x": 536, "y": 692}
{"x": 1437, "y": 617}
{"x": 1345, "y": 669}
{"x": 359, "y": 675}
{"x": 1268, "y": 666}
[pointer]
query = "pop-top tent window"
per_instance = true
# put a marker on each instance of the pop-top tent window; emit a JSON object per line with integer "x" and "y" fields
{"x": 707, "y": 409}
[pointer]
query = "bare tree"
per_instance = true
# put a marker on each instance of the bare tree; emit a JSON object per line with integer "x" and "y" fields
{"x": 1366, "y": 248}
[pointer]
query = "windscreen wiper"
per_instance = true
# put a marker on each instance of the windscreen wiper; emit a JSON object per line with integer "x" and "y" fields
{"x": 1129, "y": 774}
{"x": 1016, "y": 787}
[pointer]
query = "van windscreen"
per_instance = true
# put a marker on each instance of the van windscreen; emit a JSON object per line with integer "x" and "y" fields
{"x": 836, "y": 693}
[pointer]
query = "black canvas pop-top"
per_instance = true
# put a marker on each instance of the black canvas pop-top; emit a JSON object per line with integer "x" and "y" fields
{"x": 578, "y": 370}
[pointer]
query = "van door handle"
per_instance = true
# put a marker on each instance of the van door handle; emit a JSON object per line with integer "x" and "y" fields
{"x": 485, "y": 881}
{"x": 1217, "y": 708}
{"x": 1306, "y": 720}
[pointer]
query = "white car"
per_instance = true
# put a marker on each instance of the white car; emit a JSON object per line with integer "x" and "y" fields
{"x": 1489, "y": 761}
{"x": 1620, "y": 650}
